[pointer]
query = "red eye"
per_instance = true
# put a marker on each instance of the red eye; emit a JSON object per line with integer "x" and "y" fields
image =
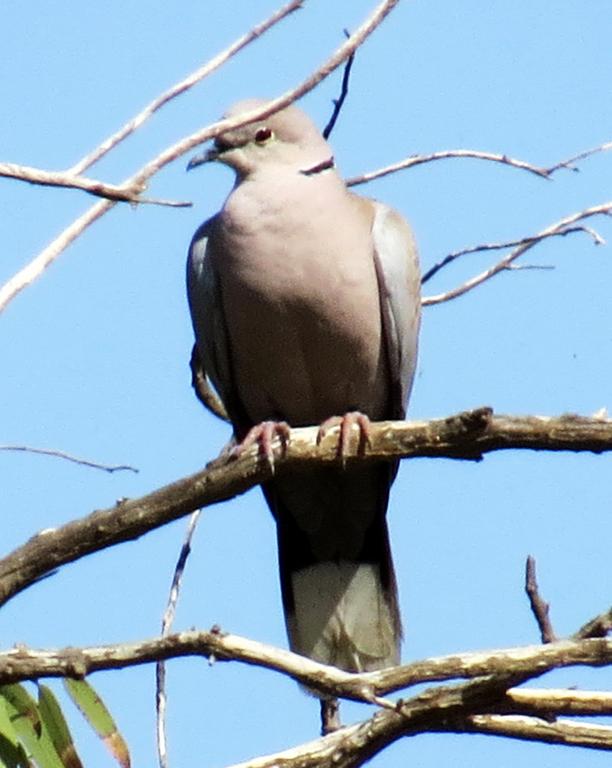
{"x": 262, "y": 135}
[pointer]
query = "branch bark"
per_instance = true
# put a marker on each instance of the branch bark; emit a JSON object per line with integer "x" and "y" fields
{"x": 22, "y": 663}
{"x": 467, "y": 435}
{"x": 487, "y": 704}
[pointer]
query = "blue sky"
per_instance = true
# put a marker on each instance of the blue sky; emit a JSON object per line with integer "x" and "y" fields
{"x": 95, "y": 354}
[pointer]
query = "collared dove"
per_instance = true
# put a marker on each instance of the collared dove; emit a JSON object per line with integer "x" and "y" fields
{"x": 305, "y": 301}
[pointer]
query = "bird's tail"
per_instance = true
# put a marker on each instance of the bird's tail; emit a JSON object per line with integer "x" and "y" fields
{"x": 337, "y": 578}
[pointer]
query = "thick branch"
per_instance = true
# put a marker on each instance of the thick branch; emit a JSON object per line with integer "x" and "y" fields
{"x": 444, "y": 708}
{"x": 468, "y": 435}
{"x": 526, "y": 662}
{"x": 557, "y": 701}
{"x": 533, "y": 729}
{"x": 455, "y": 707}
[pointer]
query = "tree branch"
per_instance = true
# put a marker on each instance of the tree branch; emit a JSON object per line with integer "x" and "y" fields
{"x": 446, "y": 154}
{"x": 557, "y": 701}
{"x": 69, "y": 457}
{"x": 184, "y": 85}
{"x": 605, "y": 209}
{"x": 495, "y": 157}
{"x": 467, "y": 435}
{"x": 532, "y": 239}
{"x": 35, "y": 268}
{"x": 533, "y": 729}
{"x": 539, "y": 607}
{"x": 122, "y": 193}
{"x": 526, "y": 662}
{"x": 481, "y": 705}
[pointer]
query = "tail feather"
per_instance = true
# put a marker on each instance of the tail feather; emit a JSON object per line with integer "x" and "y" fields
{"x": 342, "y": 616}
{"x": 337, "y": 578}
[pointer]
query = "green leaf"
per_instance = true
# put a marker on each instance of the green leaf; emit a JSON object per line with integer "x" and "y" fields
{"x": 100, "y": 719}
{"x": 6, "y": 726}
{"x": 25, "y": 718}
{"x": 57, "y": 727}
{"x": 12, "y": 754}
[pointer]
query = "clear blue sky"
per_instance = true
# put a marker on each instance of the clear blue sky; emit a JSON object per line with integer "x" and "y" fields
{"x": 95, "y": 354}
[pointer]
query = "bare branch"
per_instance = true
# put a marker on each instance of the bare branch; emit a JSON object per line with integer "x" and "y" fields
{"x": 413, "y": 160}
{"x": 47, "y": 256}
{"x": 442, "y": 708}
{"x": 69, "y": 457}
{"x": 35, "y": 268}
{"x": 167, "y": 620}
{"x": 447, "y": 154}
{"x": 539, "y": 606}
{"x": 22, "y": 663}
{"x": 533, "y": 729}
{"x": 183, "y": 85}
{"x": 569, "y": 163}
{"x": 597, "y": 238}
{"x": 339, "y": 102}
{"x": 467, "y": 435}
{"x": 558, "y": 701}
{"x": 341, "y": 54}
{"x": 605, "y": 209}
{"x": 600, "y": 626}
{"x": 94, "y": 187}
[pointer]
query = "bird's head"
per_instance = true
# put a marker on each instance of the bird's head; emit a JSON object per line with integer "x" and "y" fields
{"x": 287, "y": 138}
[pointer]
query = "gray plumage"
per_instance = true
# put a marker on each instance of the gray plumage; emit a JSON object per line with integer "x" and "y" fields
{"x": 305, "y": 300}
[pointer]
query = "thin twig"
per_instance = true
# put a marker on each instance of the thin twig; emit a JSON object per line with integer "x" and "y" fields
{"x": 605, "y": 209}
{"x": 69, "y": 457}
{"x": 569, "y": 163}
{"x": 540, "y": 608}
{"x": 339, "y": 102}
{"x": 34, "y": 269}
{"x": 532, "y": 239}
{"x": 167, "y": 620}
{"x": 184, "y": 85}
{"x": 413, "y": 160}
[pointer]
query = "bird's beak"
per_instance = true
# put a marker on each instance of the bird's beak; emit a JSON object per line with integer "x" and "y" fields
{"x": 206, "y": 157}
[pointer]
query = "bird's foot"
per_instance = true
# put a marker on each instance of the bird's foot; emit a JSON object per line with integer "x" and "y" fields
{"x": 263, "y": 436}
{"x": 346, "y": 424}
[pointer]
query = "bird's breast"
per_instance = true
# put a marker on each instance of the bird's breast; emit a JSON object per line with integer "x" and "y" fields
{"x": 301, "y": 302}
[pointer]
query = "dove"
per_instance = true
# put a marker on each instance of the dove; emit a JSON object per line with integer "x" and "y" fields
{"x": 305, "y": 302}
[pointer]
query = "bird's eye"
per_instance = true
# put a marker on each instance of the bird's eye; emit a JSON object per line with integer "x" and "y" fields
{"x": 263, "y": 135}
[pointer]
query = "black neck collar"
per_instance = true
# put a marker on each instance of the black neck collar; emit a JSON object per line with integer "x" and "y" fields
{"x": 324, "y": 165}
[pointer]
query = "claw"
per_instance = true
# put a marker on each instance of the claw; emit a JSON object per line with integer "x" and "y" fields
{"x": 263, "y": 435}
{"x": 346, "y": 424}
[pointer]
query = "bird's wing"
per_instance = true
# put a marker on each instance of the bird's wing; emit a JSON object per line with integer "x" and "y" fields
{"x": 397, "y": 267}
{"x": 206, "y": 305}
